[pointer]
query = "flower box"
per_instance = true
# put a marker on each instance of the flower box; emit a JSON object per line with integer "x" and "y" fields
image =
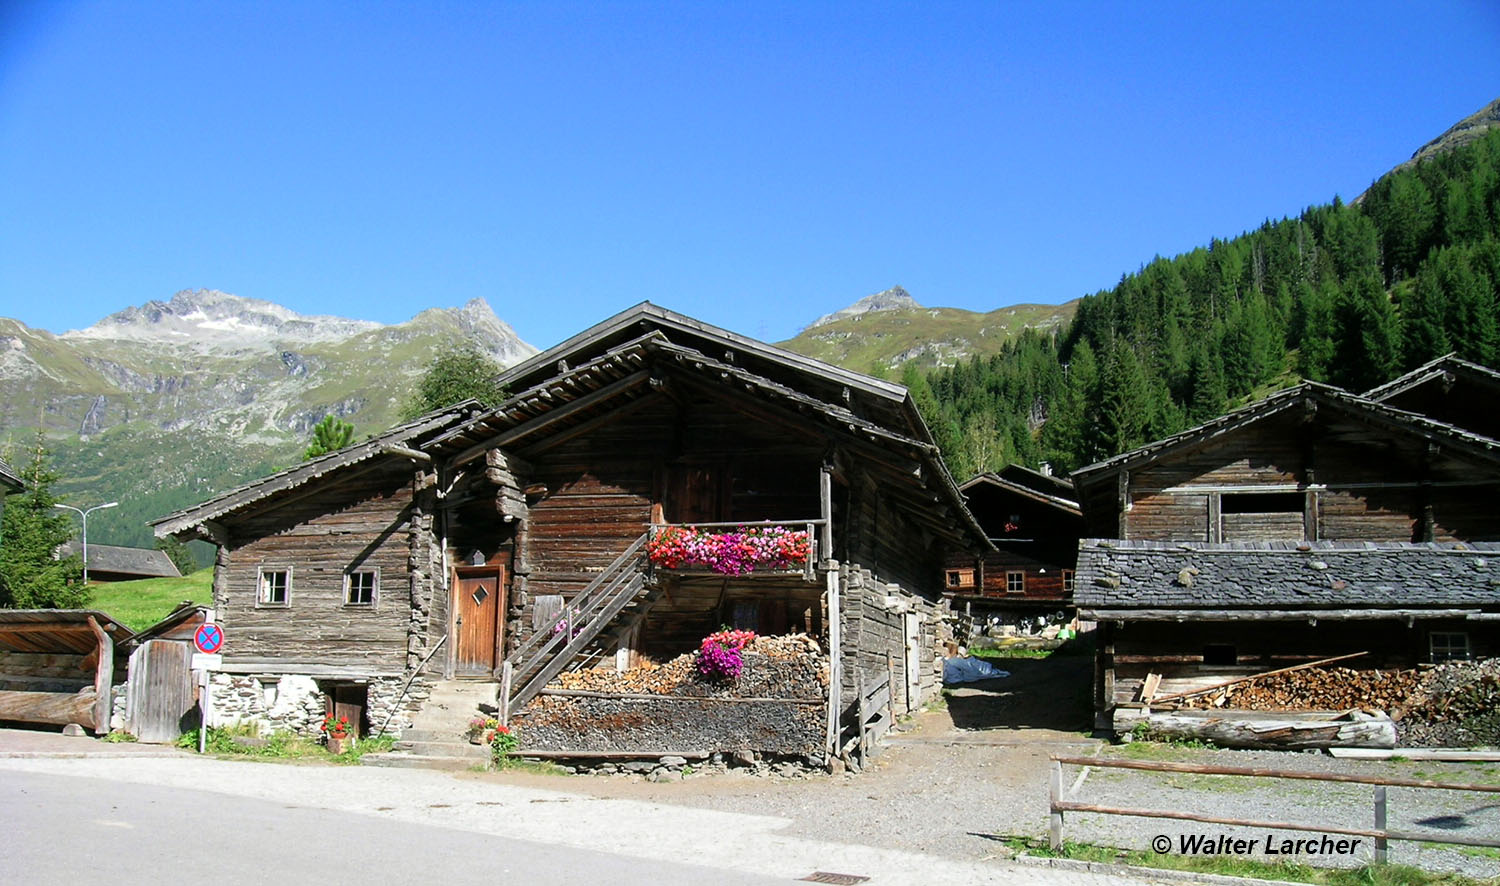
{"x": 737, "y": 551}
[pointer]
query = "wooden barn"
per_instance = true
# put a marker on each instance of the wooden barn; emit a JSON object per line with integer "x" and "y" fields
{"x": 60, "y": 666}
{"x": 1034, "y": 523}
{"x": 510, "y": 546}
{"x": 1311, "y": 524}
{"x": 119, "y": 563}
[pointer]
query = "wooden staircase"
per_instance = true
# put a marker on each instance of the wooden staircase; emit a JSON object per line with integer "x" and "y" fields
{"x": 585, "y": 628}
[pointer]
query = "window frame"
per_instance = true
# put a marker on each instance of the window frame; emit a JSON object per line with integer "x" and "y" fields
{"x": 960, "y": 577}
{"x": 1019, "y": 577}
{"x": 1068, "y": 580}
{"x": 1450, "y": 646}
{"x": 260, "y": 588}
{"x": 374, "y": 572}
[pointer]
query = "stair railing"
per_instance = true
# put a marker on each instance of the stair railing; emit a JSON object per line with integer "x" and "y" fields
{"x": 547, "y": 652}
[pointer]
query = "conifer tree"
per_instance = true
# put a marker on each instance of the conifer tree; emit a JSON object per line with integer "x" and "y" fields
{"x": 1365, "y": 336}
{"x": 31, "y": 530}
{"x": 329, "y": 435}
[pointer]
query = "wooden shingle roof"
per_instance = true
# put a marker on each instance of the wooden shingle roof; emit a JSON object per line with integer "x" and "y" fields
{"x": 55, "y": 630}
{"x": 9, "y": 480}
{"x": 145, "y": 562}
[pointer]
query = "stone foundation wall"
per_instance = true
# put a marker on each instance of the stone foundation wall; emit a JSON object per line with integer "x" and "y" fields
{"x": 295, "y": 703}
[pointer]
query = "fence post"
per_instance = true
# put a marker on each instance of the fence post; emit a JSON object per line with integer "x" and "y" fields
{"x": 1054, "y": 794}
{"x": 1381, "y": 842}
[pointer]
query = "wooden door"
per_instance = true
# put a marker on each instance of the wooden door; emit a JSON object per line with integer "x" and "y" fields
{"x": 347, "y": 700}
{"x": 913, "y": 632}
{"x": 480, "y": 623}
{"x": 159, "y": 703}
{"x": 694, "y": 493}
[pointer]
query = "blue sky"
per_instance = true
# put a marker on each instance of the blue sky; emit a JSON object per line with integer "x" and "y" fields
{"x": 755, "y": 165}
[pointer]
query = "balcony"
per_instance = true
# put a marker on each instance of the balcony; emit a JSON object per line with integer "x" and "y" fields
{"x": 740, "y": 549}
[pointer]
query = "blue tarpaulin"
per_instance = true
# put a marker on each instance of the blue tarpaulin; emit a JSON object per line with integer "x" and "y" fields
{"x": 967, "y": 670}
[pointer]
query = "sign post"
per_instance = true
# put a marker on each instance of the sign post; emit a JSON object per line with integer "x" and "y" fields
{"x": 208, "y": 640}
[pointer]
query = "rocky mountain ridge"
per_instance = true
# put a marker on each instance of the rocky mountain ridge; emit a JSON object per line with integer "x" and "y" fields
{"x": 170, "y": 402}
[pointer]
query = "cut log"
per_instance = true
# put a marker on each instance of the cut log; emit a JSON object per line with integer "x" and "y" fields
{"x": 54, "y": 708}
{"x": 1246, "y": 729}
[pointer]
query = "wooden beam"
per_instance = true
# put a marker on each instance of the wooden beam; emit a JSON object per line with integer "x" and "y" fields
{"x": 104, "y": 673}
{"x": 414, "y": 454}
{"x": 585, "y": 426}
{"x": 550, "y": 418}
{"x": 1301, "y": 667}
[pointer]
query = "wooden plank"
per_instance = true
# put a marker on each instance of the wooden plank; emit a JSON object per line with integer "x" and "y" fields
{"x": 550, "y": 418}
{"x": 1263, "y": 772}
{"x": 641, "y": 696}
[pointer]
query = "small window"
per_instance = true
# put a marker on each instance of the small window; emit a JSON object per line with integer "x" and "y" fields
{"x": 360, "y": 587}
{"x": 1449, "y": 646}
{"x": 960, "y": 578}
{"x": 1067, "y": 580}
{"x": 1015, "y": 582}
{"x": 275, "y": 587}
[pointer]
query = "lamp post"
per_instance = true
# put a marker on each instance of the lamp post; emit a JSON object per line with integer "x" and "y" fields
{"x": 85, "y": 515}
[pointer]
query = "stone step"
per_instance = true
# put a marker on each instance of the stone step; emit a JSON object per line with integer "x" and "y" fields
{"x": 422, "y": 733}
{"x": 398, "y": 760}
{"x": 444, "y": 749}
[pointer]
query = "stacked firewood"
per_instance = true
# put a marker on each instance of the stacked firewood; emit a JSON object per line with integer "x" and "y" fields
{"x": 1318, "y": 689}
{"x": 1457, "y": 705}
{"x": 789, "y": 666}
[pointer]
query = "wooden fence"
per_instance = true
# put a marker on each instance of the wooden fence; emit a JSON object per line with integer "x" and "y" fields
{"x": 1381, "y": 834}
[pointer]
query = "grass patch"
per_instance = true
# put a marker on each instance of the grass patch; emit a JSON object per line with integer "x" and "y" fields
{"x": 245, "y": 742}
{"x": 140, "y": 604}
{"x": 1370, "y": 875}
{"x": 1141, "y": 749}
{"x": 1000, "y": 652}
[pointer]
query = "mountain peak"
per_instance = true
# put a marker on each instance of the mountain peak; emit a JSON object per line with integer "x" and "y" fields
{"x": 893, "y": 299}
{"x": 209, "y": 319}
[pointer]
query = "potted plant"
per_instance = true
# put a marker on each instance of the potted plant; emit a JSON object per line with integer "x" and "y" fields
{"x": 336, "y": 733}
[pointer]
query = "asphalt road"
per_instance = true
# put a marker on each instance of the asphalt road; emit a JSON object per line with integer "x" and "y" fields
{"x": 65, "y": 829}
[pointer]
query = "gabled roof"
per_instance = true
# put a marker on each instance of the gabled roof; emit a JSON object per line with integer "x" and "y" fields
{"x": 1115, "y": 576}
{"x": 997, "y": 481}
{"x": 595, "y": 375}
{"x": 192, "y": 520}
{"x": 882, "y": 401}
{"x": 145, "y": 562}
{"x": 1050, "y": 484}
{"x": 1449, "y": 365}
{"x": 9, "y": 480}
{"x": 1308, "y": 395}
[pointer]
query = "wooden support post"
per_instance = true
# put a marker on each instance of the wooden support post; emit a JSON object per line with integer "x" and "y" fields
{"x": 835, "y": 665}
{"x": 104, "y": 672}
{"x": 825, "y": 501}
{"x": 507, "y": 676}
{"x": 1381, "y": 843}
{"x": 1054, "y": 796}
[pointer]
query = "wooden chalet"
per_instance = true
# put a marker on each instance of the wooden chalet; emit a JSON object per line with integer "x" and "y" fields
{"x": 1034, "y": 523}
{"x": 1310, "y": 524}
{"x": 1449, "y": 390}
{"x": 510, "y": 546}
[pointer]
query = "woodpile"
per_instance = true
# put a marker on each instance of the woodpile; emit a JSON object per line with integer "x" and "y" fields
{"x": 1451, "y": 705}
{"x": 789, "y": 666}
{"x": 1319, "y": 689}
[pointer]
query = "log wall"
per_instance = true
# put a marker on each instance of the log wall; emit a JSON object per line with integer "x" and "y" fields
{"x": 363, "y": 522}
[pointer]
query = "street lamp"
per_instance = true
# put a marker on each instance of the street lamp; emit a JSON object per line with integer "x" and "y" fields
{"x": 85, "y": 516}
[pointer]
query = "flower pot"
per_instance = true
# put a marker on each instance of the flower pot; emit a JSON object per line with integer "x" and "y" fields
{"x": 337, "y": 746}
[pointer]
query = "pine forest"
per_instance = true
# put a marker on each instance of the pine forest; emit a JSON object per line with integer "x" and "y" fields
{"x": 1347, "y": 294}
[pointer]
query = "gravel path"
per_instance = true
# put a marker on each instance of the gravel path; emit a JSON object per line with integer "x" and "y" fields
{"x": 954, "y": 782}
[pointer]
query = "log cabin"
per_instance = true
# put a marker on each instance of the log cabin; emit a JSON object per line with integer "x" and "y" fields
{"x": 1310, "y": 524}
{"x": 511, "y": 545}
{"x": 1034, "y": 523}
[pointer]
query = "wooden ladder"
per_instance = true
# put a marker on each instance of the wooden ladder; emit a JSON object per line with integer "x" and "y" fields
{"x": 553, "y": 646}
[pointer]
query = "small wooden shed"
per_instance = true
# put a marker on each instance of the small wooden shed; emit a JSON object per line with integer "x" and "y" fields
{"x": 57, "y": 666}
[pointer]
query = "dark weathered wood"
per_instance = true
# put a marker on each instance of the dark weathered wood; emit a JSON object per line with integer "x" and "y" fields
{"x": 585, "y": 693}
